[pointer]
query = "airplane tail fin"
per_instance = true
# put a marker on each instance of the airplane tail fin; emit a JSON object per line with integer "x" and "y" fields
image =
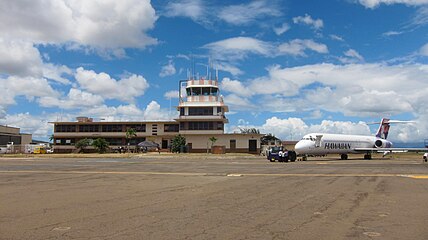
{"x": 383, "y": 130}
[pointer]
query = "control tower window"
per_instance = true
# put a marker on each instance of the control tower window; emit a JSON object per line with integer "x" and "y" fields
{"x": 206, "y": 91}
{"x": 198, "y": 111}
{"x": 196, "y": 91}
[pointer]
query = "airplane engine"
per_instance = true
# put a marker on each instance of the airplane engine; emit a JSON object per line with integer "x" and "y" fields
{"x": 381, "y": 143}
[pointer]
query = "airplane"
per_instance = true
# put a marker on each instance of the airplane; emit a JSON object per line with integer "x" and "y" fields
{"x": 321, "y": 144}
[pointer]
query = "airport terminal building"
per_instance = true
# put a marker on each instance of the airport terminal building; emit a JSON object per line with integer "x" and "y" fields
{"x": 201, "y": 116}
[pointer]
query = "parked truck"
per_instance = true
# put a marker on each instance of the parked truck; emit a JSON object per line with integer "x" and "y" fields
{"x": 281, "y": 154}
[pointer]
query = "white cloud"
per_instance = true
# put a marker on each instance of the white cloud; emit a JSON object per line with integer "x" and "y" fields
{"x": 168, "y": 70}
{"x": 354, "y": 90}
{"x": 20, "y": 58}
{"x": 235, "y": 86}
{"x": 193, "y": 9}
{"x": 223, "y": 66}
{"x": 38, "y": 126}
{"x": 391, "y": 33}
{"x": 238, "y": 48}
{"x": 97, "y": 24}
{"x": 153, "y": 111}
{"x": 308, "y": 20}
{"x": 29, "y": 87}
{"x": 351, "y": 56}
{"x": 424, "y": 50}
{"x": 171, "y": 94}
{"x": 125, "y": 89}
{"x": 242, "y": 14}
{"x": 375, "y": 3}
{"x": 297, "y": 47}
{"x": 281, "y": 29}
{"x": 336, "y": 37}
{"x": 75, "y": 99}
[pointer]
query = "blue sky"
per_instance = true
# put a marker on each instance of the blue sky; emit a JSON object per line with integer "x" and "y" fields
{"x": 285, "y": 67}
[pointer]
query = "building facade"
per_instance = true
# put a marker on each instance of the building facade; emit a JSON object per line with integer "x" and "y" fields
{"x": 13, "y": 135}
{"x": 201, "y": 116}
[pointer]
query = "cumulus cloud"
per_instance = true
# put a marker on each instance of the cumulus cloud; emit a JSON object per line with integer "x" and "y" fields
{"x": 351, "y": 56}
{"x": 168, "y": 70}
{"x": 193, "y": 9}
{"x": 29, "y": 87}
{"x": 125, "y": 89}
{"x": 235, "y": 86}
{"x": 297, "y": 47}
{"x": 354, "y": 89}
{"x": 75, "y": 99}
{"x": 38, "y": 126}
{"x": 171, "y": 94}
{"x": 95, "y": 24}
{"x": 376, "y": 3}
{"x": 242, "y": 14}
{"x": 20, "y": 58}
{"x": 153, "y": 111}
{"x": 227, "y": 67}
{"x": 239, "y": 48}
{"x": 308, "y": 20}
{"x": 130, "y": 112}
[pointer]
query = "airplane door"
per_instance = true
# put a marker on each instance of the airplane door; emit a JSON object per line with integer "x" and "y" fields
{"x": 318, "y": 141}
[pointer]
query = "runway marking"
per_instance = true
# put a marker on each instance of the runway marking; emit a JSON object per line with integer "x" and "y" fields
{"x": 225, "y": 174}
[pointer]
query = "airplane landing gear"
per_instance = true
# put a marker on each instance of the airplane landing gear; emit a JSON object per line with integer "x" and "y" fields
{"x": 344, "y": 156}
{"x": 367, "y": 156}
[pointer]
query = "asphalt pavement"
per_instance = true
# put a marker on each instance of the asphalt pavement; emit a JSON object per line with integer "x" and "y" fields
{"x": 213, "y": 197}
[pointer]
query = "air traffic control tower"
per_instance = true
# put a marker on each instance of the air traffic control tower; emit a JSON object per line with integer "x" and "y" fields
{"x": 202, "y": 109}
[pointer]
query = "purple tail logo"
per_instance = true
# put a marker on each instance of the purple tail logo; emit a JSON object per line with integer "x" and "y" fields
{"x": 383, "y": 129}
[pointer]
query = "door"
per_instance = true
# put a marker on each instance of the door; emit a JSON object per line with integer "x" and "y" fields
{"x": 252, "y": 145}
{"x": 164, "y": 143}
{"x": 232, "y": 145}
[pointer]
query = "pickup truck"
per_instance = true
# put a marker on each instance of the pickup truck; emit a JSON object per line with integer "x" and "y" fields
{"x": 281, "y": 154}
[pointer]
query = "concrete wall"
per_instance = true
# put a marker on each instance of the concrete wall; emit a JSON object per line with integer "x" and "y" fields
{"x": 200, "y": 143}
{"x": 9, "y": 130}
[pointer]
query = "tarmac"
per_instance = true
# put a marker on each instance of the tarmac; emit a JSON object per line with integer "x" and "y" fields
{"x": 203, "y": 196}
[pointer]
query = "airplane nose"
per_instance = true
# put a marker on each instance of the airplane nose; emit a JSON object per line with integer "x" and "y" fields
{"x": 299, "y": 147}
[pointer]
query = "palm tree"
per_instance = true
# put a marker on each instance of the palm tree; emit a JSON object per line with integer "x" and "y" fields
{"x": 51, "y": 138}
{"x": 250, "y": 130}
{"x": 266, "y": 139}
{"x": 130, "y": 133}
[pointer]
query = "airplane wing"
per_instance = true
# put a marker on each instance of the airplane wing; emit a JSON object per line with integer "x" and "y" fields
{"x": 391, "y": 150}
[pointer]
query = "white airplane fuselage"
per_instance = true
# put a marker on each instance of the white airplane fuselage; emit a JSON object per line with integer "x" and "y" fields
{"x": 317, "y": 144}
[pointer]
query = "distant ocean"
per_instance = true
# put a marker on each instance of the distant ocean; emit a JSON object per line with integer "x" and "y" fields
{"x": 409, "y": 145}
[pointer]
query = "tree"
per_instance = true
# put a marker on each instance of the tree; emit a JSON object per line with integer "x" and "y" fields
{"x": 100, "y": 144}
{"x": 266, "y": 139}
{"x": 177, "y": 143}
{"x": 130, "y": 133}
{"x": 249, "y": 130}
{"x": 213, "y": 140}
{"x": 51, "y": 138}
{"x": 82, "y": 144}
